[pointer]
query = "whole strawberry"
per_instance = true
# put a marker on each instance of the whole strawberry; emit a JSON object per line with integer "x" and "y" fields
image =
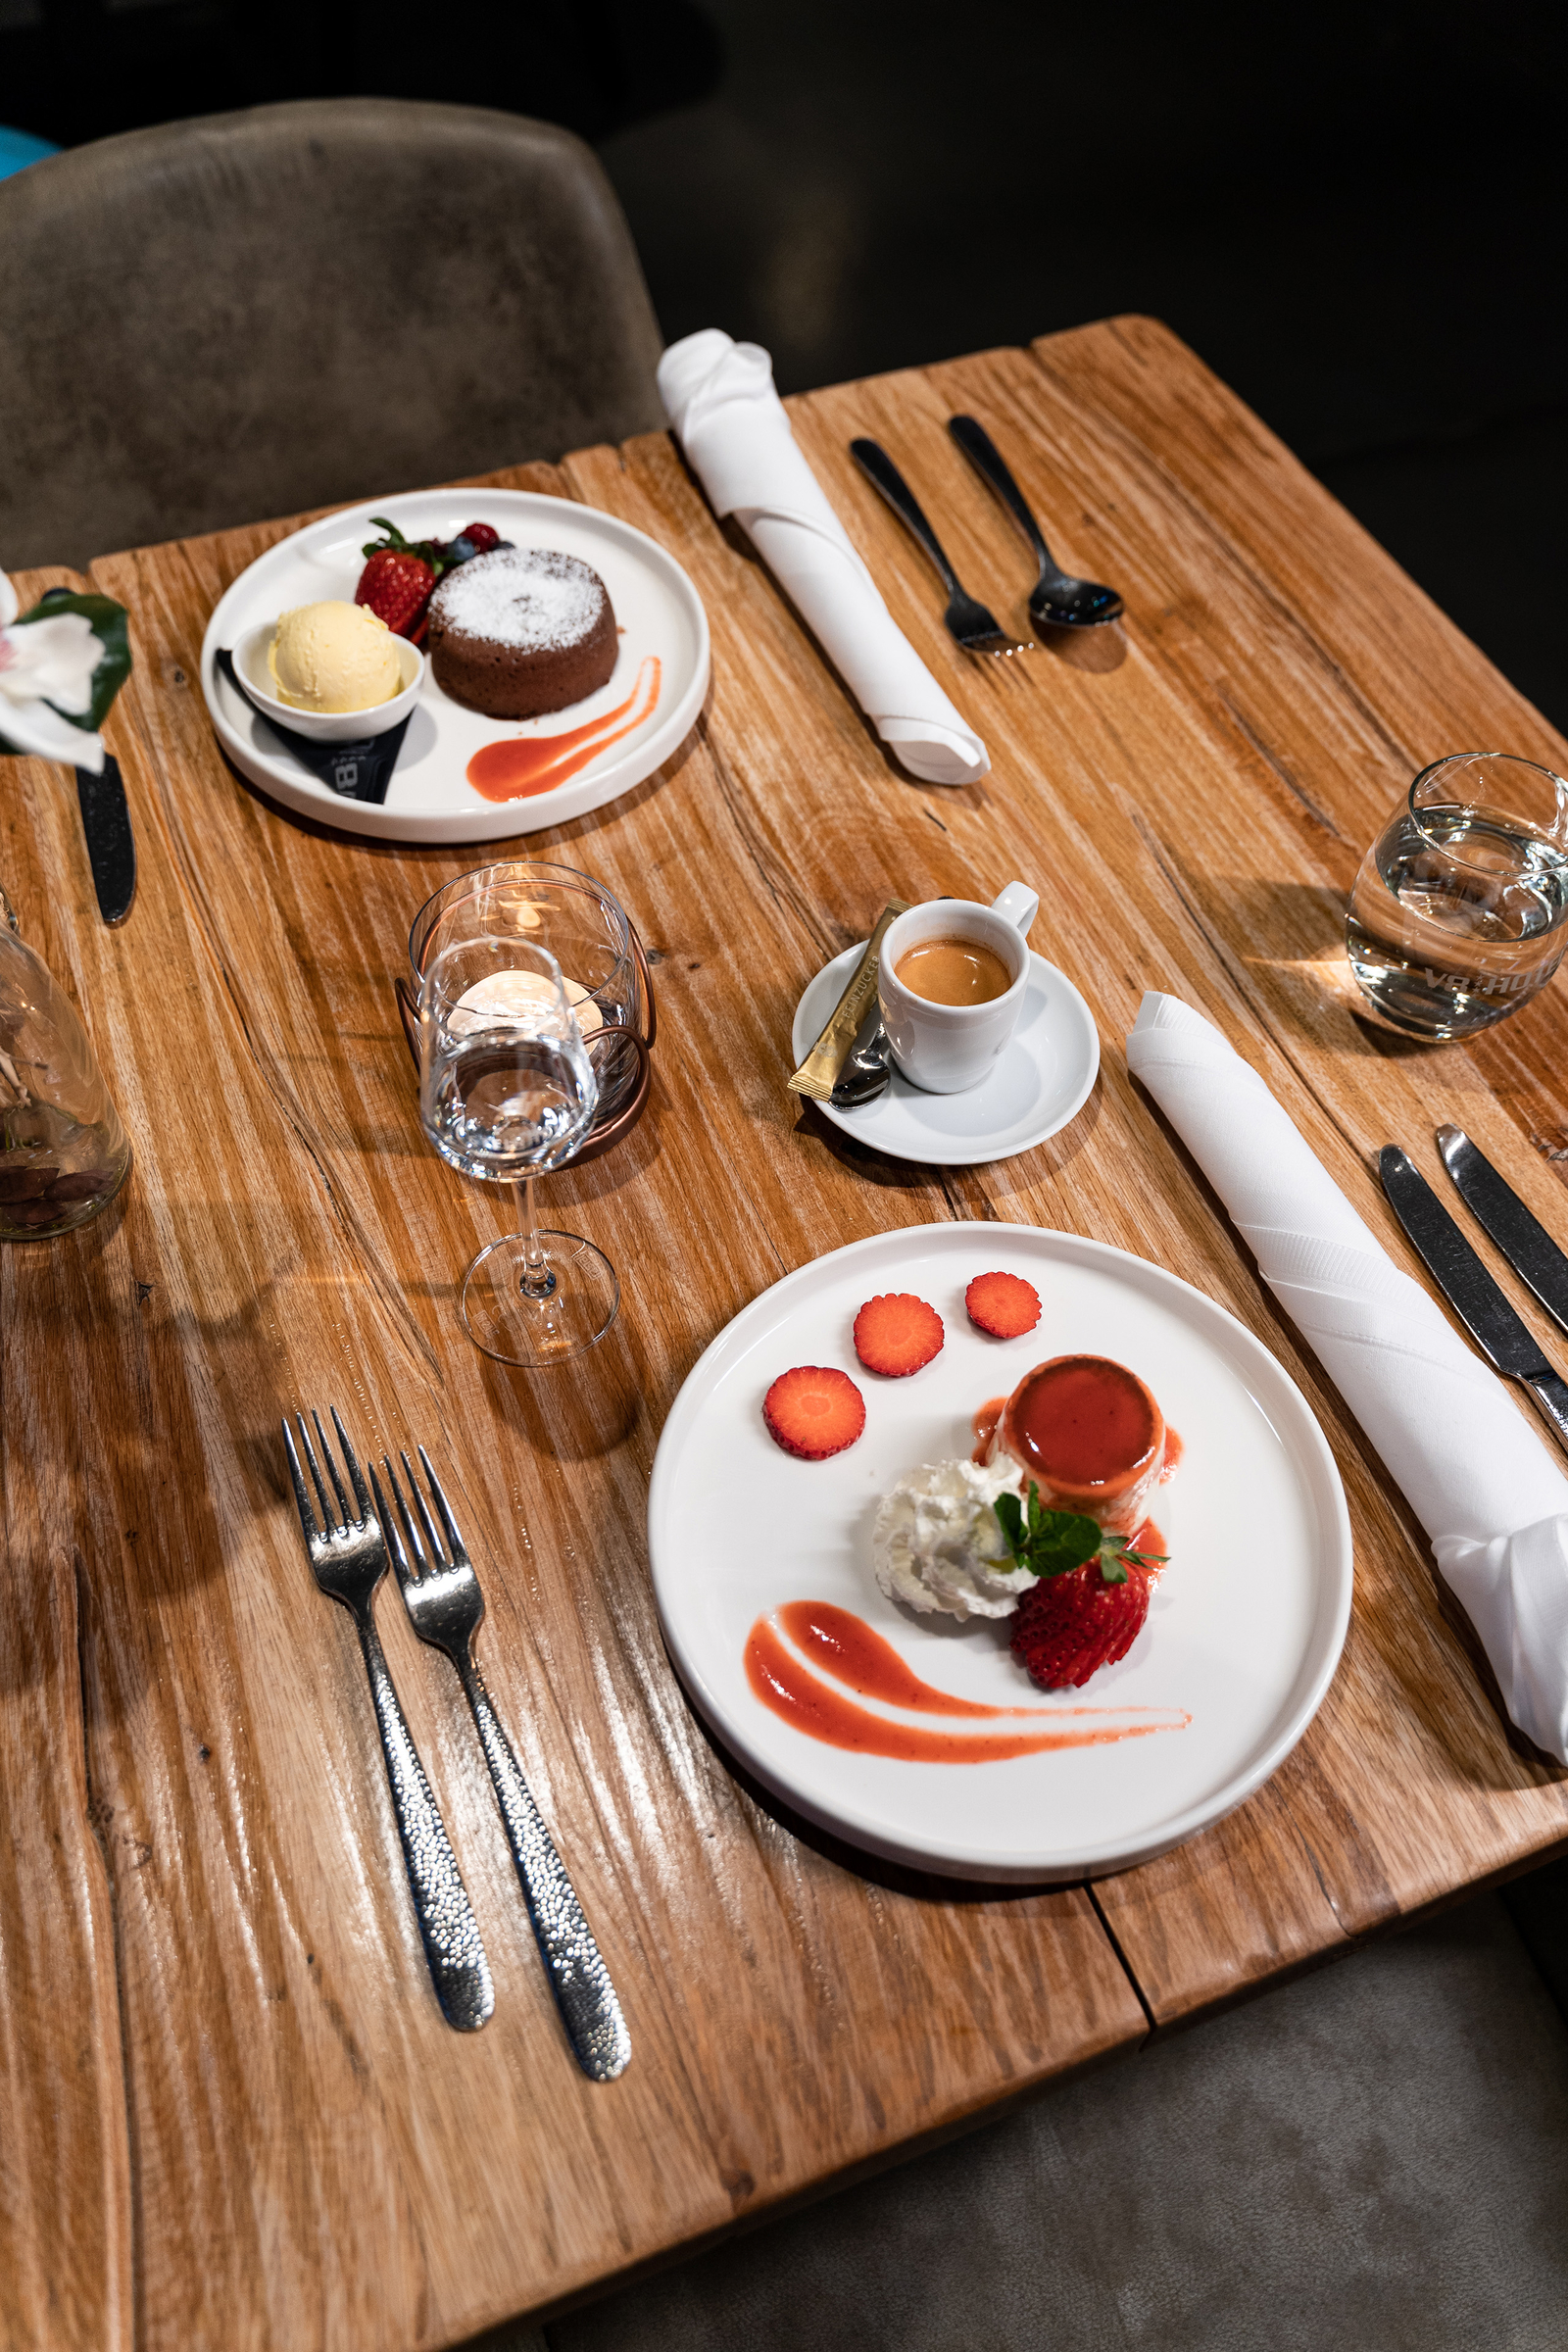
{"x": 1070, "y": 1625}
{"x": 396, "y": 582}
{"x": 1088, "y": 1606}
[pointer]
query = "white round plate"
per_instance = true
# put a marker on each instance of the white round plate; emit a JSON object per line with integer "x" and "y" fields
{"x": 1244, "y": 1632}
{"x": 429, "y": 797}
{"x": 1041, "y": 1079}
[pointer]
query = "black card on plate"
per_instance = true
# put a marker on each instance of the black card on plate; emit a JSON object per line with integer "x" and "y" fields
{"x": 358, "y": 771}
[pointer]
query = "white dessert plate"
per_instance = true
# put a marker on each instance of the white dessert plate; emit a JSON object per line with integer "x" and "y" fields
{"x": 429, "y": 797}
{"x": 1040, "y": 1080}
{"x": 1243, "y": 1631}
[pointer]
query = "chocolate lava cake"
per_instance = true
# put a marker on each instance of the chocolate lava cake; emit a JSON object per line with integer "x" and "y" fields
{"x": 520, "y": 632}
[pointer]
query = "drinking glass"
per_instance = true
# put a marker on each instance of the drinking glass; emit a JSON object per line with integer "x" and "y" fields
{"x": 507, "y": 1091}
{"x": 1460, "y": 909}
{"x": 64, "y": 1155}
{"x": 589, "y": 933}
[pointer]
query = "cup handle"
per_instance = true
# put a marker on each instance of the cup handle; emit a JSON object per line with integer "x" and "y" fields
{"x": 1018, "y": 904}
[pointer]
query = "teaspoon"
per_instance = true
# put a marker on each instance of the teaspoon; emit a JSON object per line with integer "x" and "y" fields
{"x": 1058, "y": 600}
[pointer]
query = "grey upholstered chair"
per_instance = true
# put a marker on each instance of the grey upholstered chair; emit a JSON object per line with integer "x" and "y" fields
{"x": 219, "y": 321}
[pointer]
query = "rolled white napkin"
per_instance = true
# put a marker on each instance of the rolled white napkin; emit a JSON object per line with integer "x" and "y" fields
{"x": 719, "y": 396}
{"x": 1488, "y": 1492}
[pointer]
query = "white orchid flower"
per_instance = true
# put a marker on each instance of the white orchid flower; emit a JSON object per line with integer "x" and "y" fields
{"x": 46, "y": 668}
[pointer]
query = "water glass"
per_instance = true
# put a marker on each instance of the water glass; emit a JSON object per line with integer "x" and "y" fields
{"x": 506, "y": 1090}
{"x": 1460, "y": 909}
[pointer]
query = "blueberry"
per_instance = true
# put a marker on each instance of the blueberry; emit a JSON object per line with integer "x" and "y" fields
{"x": 461, "y": 548}
{"x": 501, "y": 543}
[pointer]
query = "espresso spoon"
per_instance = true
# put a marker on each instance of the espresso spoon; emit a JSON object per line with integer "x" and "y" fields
{"x": 1058, "y": 600}
{"x": 866, "y": 1069}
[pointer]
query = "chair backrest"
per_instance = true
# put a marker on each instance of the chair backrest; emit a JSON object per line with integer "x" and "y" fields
{"x": 219, "y": 321}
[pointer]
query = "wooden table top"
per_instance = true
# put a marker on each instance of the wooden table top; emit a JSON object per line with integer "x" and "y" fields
{"x": 231, "y": 2113}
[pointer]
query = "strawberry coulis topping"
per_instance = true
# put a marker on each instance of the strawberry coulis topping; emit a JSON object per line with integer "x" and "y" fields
{"x": 524, "y": 765}
{"x": 855, "y": 1654}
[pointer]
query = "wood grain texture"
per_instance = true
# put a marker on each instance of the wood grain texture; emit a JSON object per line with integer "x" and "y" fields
{"x": 315, "y": 2160}
{"x": 64, "y": 2162}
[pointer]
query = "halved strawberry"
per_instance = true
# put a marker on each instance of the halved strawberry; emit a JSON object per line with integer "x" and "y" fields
{"x": 1005, "y": 1304}
{"x": 1067, "y": 1627}
{"x": 897, "y": 1334}
{"x": 396, "y": 585}
{"x": 814, "y": 1411}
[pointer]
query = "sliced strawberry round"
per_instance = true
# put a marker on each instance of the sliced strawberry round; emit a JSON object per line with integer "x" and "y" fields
{"x": 897, "y": 1334}
{"x": 1071, "y": 1624}
{"x": 1005, "y": 1304}
{"x": 814, "y": 1411}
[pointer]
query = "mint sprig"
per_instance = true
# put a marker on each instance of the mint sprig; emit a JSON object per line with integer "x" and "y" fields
{"x": 1055, "y": 1543}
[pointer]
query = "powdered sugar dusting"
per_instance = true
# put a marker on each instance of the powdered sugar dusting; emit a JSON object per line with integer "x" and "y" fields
{"x": 533, "y": 598}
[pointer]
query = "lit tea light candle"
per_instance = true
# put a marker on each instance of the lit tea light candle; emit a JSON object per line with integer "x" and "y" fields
{"x": 517, "y": 995}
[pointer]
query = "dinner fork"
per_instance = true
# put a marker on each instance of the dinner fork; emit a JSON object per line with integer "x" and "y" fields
{"x": 349, "y": 1556}
{"x": 967, "y": 621}
{"x": 446, "y": 1608}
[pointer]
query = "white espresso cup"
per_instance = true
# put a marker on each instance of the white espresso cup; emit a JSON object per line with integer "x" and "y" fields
{"x": 946, "y": 1047}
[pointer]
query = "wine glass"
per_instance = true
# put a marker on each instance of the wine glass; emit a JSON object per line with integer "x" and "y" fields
{"x": 507, "y": 1091}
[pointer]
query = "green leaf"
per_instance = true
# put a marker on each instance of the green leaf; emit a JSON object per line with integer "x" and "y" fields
{"x": 1009, "y": 1511}
{"x": 109, "y": 624}
{"x": 1049, "y": 1542}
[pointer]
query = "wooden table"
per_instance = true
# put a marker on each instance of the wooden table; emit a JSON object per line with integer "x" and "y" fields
{"x": 230, "y": 2115}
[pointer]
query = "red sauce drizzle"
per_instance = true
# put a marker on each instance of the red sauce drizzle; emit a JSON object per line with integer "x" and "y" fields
{"x": 1174, "y": 1450}
{"x": 526, "y": 765}
{"x": 1083, "y": 1422}
{"x": 785, "y": 1684}
{"x": 984, "y": 1426}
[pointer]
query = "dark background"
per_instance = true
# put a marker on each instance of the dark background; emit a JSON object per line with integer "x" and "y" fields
{"x": 1357, "y": 217}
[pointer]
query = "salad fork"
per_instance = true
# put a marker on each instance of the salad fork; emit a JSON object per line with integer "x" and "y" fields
{"x": 967, "y": 621}
{"x": 348, "y": 1555}
{"x": 446, "y": 1608}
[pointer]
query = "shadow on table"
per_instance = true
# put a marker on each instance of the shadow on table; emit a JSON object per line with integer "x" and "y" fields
{"x": 1048, "y": 1158}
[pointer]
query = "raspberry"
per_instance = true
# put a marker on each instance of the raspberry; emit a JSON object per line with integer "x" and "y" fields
{"x": 1005, "y": 1304}
{"x": 814, "y": 1411}
{"x": 482, "y": 537}
{"x": 897, "y": 1334}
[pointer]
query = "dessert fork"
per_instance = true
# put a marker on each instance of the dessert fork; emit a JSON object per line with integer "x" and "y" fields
{"x": 968, "y": 621}
{"x": 446, "y": 1608}
{"x": 350, "y": 1559}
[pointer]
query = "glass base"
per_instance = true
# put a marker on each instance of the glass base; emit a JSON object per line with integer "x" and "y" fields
{"x": 504, "y": 1321}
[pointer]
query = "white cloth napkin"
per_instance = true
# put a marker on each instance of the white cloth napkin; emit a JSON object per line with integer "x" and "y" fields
{"x": 1487, "y": 1490}
{"x": 719, "y": 396}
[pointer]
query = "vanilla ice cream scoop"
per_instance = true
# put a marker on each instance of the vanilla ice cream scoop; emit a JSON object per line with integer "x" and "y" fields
{"x": 334, "y": 656}
{"x": 938, "y": 1544}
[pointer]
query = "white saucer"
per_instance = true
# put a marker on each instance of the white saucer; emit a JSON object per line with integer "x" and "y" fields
{"x": 429, "y": 797}
{"x": 1042, "y": 1078}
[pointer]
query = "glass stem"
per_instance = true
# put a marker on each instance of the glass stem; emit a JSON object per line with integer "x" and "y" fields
{"x": 537, "y": 1281}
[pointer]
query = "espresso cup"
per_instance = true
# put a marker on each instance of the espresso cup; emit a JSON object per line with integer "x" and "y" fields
{"x": 946, "y": 1047}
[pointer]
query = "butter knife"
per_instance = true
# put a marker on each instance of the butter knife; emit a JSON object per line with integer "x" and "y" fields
{"x": 1522, "y": 1237}
{"x": 1502, "y": 1337}
{"x": 111, "y": 845}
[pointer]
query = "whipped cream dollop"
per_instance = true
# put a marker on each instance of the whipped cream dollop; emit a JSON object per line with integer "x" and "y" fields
{"x": 938, "y": 1544}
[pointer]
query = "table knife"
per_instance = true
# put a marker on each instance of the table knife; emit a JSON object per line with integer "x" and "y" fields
{"x": 111, "y": 845}
{"x": 1503, "y": 1339}
{"x": 1523, "y": 1240}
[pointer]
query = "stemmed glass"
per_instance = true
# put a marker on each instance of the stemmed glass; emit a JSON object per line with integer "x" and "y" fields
{"x": 507, "y": 1091}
